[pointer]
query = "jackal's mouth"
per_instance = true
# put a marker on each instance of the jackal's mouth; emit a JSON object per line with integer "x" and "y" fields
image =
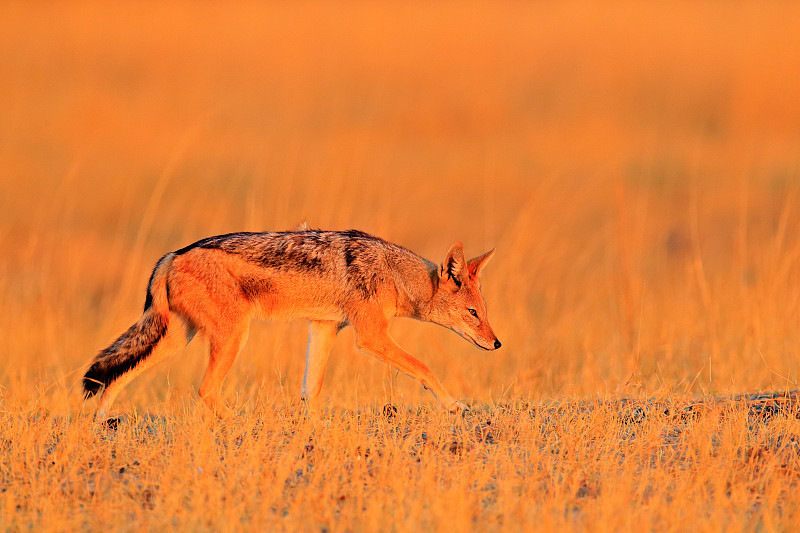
{"x": 475, "y": 342}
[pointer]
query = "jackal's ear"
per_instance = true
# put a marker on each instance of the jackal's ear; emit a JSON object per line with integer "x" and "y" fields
{"x": 454, "y": 265}
{"x": 476, "y": 265}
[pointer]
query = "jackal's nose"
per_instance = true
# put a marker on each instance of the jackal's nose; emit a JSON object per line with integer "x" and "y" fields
{"x": 497, "y": 344}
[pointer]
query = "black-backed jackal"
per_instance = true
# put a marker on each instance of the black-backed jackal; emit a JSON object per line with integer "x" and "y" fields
{"x": 332, "y": 278}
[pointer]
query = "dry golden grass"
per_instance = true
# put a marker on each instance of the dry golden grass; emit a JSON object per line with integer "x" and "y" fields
{"x": 637, "y": 166}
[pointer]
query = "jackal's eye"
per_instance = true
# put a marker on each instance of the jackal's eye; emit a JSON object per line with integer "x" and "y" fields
{"x": 473, "y": 312}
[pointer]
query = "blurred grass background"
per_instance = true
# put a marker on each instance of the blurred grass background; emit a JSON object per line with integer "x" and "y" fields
{"x": 636, "y": 165}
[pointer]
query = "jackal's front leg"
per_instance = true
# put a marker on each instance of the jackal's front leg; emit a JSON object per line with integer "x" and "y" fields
{"x": 378, "y": 343}
{"x": 321, "y": 335}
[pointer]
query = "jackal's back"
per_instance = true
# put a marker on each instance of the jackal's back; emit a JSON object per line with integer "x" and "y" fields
{"x": 355, "y": 260}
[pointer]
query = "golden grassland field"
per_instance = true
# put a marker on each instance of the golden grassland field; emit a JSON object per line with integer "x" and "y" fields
{"x": 636, "y": 165}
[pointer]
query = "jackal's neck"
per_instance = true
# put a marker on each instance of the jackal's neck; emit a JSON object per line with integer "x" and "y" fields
{"x": 416, "y": 290}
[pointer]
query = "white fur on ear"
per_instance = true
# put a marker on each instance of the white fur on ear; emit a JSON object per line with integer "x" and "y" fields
{"x": 454, "y": 264}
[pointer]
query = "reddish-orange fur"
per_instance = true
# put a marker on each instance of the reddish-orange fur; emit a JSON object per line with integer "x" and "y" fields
{"x": 334, "y": 279}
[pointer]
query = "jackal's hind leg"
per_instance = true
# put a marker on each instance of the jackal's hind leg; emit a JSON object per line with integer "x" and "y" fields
{"x": 321, "y": 335}
{"x": 222, "y": 354}
{"x": 178, "y": 335}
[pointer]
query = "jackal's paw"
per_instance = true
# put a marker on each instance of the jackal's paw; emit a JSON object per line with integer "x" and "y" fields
{"x": 457, "y": 406}
{"x": 222, "y": 411}
{"x": 308, "y": 405}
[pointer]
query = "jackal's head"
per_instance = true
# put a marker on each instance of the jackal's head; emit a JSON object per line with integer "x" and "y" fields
{"x": 458, "y": 304}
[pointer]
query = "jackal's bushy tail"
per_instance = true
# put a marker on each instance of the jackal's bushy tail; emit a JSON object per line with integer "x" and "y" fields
{"x": 136, "y": 344}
